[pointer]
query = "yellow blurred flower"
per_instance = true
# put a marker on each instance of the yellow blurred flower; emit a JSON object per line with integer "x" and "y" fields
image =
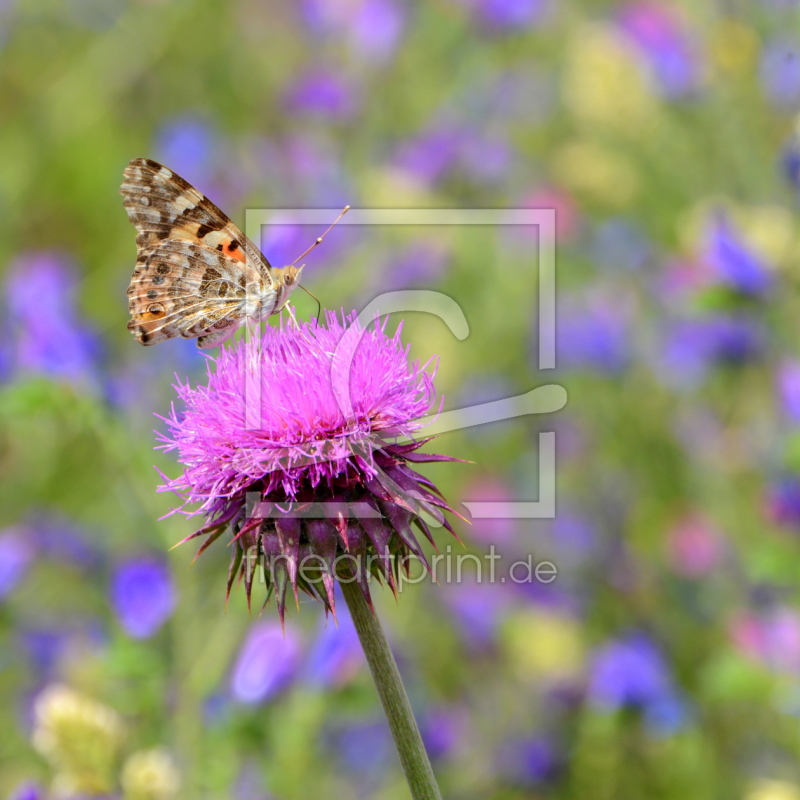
{"x": 733, "y": 46}
{"x": 773, "y": 790}
{"x": 79, "y": 737}
{"x": 600, "y": 174}
{"x": 606, "y": 86}
{"x": 543, "y": 645}
{"x": 150, "y": 775}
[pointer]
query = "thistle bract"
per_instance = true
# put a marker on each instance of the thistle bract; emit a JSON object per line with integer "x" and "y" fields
{"x": 300, "y": 445}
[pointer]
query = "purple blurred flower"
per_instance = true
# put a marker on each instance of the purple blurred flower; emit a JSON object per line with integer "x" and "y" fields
{"x": 376, "y": 29}
{"x": 429, "y": 155}
{"x": 186, "y": 144}
{"x": 592, "y": 334}
{"x": 511, "y": 13}
{"x": 629, "y": 672}
{"x": 478, "y": 607}
{"x": 782, "y": 501}
{"x": 619, "y": 244}
{"x": 691, "y": 347}
{"x": 485, "y": 158}
{"x": 333, "y": 396}
{"x": 788, "y": 380}
{"x": 528, "y": 761}
{"x": 372, "y": 28}
{"x": 320, "y": 94}
{"x": 27, "y": 791}
{"x": 420, "y": 263}
{"x": 695, "y": 547}
{"x": 732, "y": 261}
{"x": 266, "y": 664}
{"x": 143, "y": 596}
{"x": 61, "y": 540}
{"x": 780, "y": 72}
{"x": 498, "y": 531}
{"x": 15, "y": 555}
{"x": 772, "y": 638}
{"x": 440, "y": 731}
{"x": 336, "y": 656}
{"x": 655, "y": 30}
{"x": 365, "y": 748}
{"x": 790, "y": 162}
{"x": 45, "y": 332}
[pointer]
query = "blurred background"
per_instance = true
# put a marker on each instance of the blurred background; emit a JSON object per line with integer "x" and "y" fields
{"x": 664, "y": 660}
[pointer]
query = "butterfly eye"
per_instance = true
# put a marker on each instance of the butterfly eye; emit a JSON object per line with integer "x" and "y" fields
{"x": 288, "y": 278}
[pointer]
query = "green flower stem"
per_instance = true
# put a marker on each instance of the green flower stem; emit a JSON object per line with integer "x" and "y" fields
{"x": 407, "y": 740}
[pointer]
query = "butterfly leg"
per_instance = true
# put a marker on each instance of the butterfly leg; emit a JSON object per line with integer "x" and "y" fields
{"x": 292, "y": 315}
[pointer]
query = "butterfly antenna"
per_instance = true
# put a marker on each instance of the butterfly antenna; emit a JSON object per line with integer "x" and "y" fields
{"x": 319, "y": 305}
{"x": 344, "y": 211}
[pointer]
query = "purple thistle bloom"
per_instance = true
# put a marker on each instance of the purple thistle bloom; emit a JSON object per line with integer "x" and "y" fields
{"x": 780, "y": 73}
{"x": 333, "y": 402}
{"x": 336, "y": 656}
{"x": 143, "y": 596}
{"x": 266, "y": 664}
{"x": 653, "y": 28}
{"x": 45, "y": 333}
{"x": 320, "y": 94}
{"x": 733, "y": 262}
{"x": 15, "y": 555}
{"x": 430, "y": 155}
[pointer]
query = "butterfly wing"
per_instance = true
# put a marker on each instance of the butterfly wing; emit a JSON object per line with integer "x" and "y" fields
{"x": 186, "y": 289}
{"x": 193, "y": 264}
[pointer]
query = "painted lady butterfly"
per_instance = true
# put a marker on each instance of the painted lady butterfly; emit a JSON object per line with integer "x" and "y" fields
{"x": 197, "y": 275}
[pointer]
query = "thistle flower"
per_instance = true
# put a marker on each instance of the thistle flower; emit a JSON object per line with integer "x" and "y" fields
{"x": 299, "y": 445}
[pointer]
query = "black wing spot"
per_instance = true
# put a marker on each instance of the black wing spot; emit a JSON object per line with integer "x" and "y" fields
{"x": 204, "y": 229}
{"x": 158, "y": 280}
{"x": 156, "y": 309}
{"x": 162, "y": 268}
{"x": 233, "y": 246}
{"x": 152, "y": 294}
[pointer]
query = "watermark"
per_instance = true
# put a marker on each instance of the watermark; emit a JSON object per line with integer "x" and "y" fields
{"x": 543, "y": 399}
{"x": 407, "y": 569}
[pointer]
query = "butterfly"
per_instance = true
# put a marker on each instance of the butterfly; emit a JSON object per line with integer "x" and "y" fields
{"x": 197, "y": 275}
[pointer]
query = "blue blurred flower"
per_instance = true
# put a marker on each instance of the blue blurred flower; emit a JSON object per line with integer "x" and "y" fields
{"x": 631, "y": 672}
{"x": 655, "y": 30}
{"x": 418, "y": 264}
{"x": 732, "y": 261}
{"x": 143, "y": 596}
{"x": 45, "y": 332}
{"x": 592, "y": 334}
{"x": 691, "y": 347}
{"x": 780, "y": 72}
{"x": 186, "y": 144}
{"x": 266, "y": 664}
{"x": 59, "y": 539}
{"x": 322, "y": 95}
{"x": 790, "y": 162}
{"x": 788, "y": 380}
{"x": 336, "y": 656}
{"x": 15, "y": 555}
